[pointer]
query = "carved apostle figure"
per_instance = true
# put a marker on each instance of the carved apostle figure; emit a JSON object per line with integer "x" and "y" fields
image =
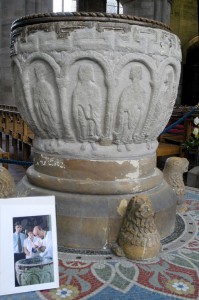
{"x": 87, "y": 105}
{"x": 44, "y": 97}
{"x": 131, "y": 108}
{"x": 165, "y": 104}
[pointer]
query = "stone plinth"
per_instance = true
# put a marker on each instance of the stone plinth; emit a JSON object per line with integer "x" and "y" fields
{"x": 96, "y": 90}
{"x": 193, "y": 177}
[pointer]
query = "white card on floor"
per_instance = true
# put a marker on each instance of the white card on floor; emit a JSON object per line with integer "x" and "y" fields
{"x": 28, "y": 243}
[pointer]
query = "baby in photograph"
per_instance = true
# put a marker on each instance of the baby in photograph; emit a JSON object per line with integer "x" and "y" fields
{"x": 31, "y": 244}
{"x": 38, "y": 242}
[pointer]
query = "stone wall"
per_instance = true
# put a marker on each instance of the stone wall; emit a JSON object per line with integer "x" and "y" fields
{"x": 9, "y": 11}
{"x": 184, "y": 21}
{"x": 152, "y": 9}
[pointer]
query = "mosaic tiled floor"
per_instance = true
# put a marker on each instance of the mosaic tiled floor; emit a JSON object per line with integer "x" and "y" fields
{"x": 173, "y": 275}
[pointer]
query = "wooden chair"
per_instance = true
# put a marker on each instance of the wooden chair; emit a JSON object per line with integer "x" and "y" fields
{"x": 4, "y": 155}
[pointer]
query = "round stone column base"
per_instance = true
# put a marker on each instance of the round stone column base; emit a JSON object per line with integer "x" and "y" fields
{"x": 95, "y": 186}
{"x": 94, "y": 221}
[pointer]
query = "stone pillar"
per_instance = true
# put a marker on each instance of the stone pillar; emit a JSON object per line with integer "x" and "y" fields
{"x": 198, "y": 14}
{"x": 0, "y": 23}
{"x": 38, "y": 6}
{"x": 10, "y": 10}
{"x": 91, "y": 5}
{"x": 152, "y": 9}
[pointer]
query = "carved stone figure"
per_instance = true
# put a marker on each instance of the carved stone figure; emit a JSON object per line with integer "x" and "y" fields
{"x": 7, "y": 184}
{"x": 165, "y": 103}
{"x": 87, "y": 105}
{"x": 173, "y": 174}
{"x": 139, "y": 238}
{"x": 43, "y": 97}
{"x": 131, "y": 109}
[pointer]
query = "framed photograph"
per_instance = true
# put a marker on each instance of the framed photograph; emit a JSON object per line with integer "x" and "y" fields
{"x": 28, "y": 245}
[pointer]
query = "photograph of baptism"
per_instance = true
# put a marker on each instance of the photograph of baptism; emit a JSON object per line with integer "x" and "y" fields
{"x": 33, "y": 250}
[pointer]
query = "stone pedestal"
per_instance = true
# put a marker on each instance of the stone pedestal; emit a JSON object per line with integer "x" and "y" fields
{"x": 97, "y": 90}
{"x": 193, "y": 177}
{"x": 87, "y": 221}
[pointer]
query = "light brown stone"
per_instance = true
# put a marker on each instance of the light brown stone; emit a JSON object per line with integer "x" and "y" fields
{"x": 173, "y": 174}
{"x": 73, "y": 208}
{"x": 88, "y": 185}
{"x": 139, "y": 237}
{"x": 7, "y": 184}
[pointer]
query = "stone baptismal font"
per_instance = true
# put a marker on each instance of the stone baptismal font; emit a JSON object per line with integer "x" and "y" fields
{"x": 97, "y": 90}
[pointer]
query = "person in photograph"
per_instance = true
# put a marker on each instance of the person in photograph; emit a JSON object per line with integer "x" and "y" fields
{"x": 44, "y": 243}
{"x": 18, "y": 242}
{"x": 30, "y": 246}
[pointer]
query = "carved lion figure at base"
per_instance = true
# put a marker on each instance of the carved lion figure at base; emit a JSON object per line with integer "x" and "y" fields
{"x": 7, "y": 184}
{"x": 173, "y": 174}
{"x": 139, "y": 238}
